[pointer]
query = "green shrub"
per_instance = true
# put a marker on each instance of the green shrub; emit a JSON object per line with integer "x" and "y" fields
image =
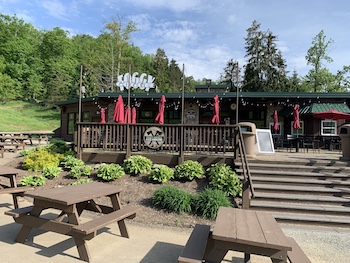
{"x": 110, "y": 172}
{"x": 137, "y": 164}
{"x": 41, "y": 158}
{"x": 222, "y": 177}
{"x": 82, "y": 181}
{"x": 51, "y": 172}
{"x": 189, "y": 170}
{"x": 58, "y": 146}
{"x": 79, "y": 171}
{"x": 27, "y": 151}
{"x": 172, "y": 199}
{"x": 161, "y": 174}
{"x": 207, "y": 202}
{"x": 70, "y": 161}
{"x": 33, "y": 180}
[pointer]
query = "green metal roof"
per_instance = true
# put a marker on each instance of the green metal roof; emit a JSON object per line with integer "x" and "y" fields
{"x": 322, "y": 107}
{"x": 315, "y": 107}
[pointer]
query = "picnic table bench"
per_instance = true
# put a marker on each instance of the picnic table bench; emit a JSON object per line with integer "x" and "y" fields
{"x": 10, "y": 174}
{"x": 196, "y": 245}
{"x": 247, "y": 231}
{"x": 13, "y": 141}
{"x": 72, "y": 201}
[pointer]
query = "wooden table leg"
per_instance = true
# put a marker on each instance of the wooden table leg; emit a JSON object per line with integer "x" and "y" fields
{"x": 213, "y": 253}
{"x": 73, "y": 218}
{"x": 82, "y": 249}
{"x": 13, "y": 184}
{"x": 247, "y": 258}
{"x": 116, "y": 206}
{"x": 25, "y": 230}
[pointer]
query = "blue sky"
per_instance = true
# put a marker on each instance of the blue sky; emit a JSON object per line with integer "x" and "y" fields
{"x": 202, "y": 34}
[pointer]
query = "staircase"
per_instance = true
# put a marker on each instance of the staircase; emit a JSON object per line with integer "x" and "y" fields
{"x": 302, "y": 192}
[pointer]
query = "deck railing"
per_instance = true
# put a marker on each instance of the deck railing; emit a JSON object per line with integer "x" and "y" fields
{"x": 204, "y": 139}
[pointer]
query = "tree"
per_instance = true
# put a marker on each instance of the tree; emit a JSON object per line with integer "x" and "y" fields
{"x": 60, "y": 65}
{"x": 231, "y": 75}
{"x": 161, "y": 68}
{"x": 113, "y": 42}
{"x": 316, "y": 54}
{"x": 175, "y": 76}
{"x": 294, "y": 83}
{"x": 265, "y": 69}
{"x": 19, "y": 46}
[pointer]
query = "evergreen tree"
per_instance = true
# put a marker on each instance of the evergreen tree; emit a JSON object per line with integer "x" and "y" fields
{"x": 231, "y": 75}
{"x": 265, "y": 69}
{"x": 161, "y": 70}
{"x": 175, "y": 76}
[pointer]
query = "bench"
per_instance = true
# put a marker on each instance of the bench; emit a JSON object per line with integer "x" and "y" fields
{"x": 196, "y": 245}
{"x": 98, "y": 223}
{"x": 16, "y": 213}
{"x": 297, "y": 255}
{"x": 16, "y": 192}
{"x": 15, "y": 145}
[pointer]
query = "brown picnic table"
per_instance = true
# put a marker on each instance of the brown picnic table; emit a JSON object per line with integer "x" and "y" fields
{"x": 10, "y": 187}
{"x": 247, "y": 231}
{"x": 71, "y": 201}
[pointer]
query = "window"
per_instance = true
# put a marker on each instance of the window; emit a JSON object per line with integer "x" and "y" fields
{"x": 71, "y": 123}
{"x": 328, "y": 127}
{"x": 278, "y": 132}
{"x": 86, "y": 116}
{"x": 300, "y": 131}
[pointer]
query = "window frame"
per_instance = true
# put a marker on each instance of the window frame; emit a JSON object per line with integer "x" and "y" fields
{"x": 299, "y": 131}
{"x": 331, "y": 128}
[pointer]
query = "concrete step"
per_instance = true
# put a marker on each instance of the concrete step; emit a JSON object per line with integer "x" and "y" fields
{"x": 273, "y": 166}
{"x": 301, "y": 208}
{"x": 299, "y": 181}
{"x": 319, "y": 220}
{"x": 336, "y": 191}
{"x": 300, "y": 198}
{"x": 292, "y": 174}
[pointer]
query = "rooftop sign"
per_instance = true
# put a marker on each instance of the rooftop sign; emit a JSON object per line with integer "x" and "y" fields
{"x": 144, "y": 82}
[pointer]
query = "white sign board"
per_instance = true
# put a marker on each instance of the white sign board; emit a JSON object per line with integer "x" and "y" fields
{"x": 264, "y": 141}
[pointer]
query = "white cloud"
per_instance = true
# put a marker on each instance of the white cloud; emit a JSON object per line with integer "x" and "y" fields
{"x": 59, "y": 10}
{"x": 176, "y": 6}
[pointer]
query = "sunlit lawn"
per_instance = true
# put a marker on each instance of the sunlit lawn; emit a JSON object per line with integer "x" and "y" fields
{"x": 19, "y": 116}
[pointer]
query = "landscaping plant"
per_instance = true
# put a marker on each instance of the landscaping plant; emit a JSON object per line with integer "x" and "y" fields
{"x": 172, "y": 199}
{"x": 59, "y": 146}
{"x": 189, "y": 170}
{"x": 160, "y": 174}
{"x": 222, "y": 177}
{"x": 41, "y": 158}
{"x": 33, "y": 180}
{"x": 51, "y": 172}
{"x": 110, "y": 172}
{"x": 70, "y": 161}
{"x": 79, "y": 171}
{"x": 208, "y": 201}
{"x": 137, "y": 164}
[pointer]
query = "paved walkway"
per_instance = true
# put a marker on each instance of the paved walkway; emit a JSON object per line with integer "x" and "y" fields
{"x": 157, "y": 244}
{"x": 150, "y": 244}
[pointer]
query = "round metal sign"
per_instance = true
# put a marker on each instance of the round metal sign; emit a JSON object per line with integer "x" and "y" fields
{"x": 153, "y": 137}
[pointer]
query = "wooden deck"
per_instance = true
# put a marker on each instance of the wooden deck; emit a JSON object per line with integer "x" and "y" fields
{"x": 164, "y": 144}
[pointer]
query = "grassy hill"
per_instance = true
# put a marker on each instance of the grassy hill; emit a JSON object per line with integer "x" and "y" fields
{"x": 19, "y": 116}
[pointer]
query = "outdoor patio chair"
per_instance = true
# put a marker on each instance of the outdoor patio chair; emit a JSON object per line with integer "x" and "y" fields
{"x": 309, "y": 143}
